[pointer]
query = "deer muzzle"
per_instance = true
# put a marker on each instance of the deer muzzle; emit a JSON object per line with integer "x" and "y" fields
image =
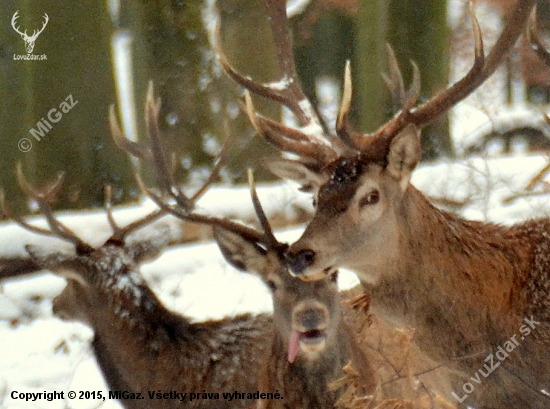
{"x": 299, "y": 263}
{"x": 308, "y": 331}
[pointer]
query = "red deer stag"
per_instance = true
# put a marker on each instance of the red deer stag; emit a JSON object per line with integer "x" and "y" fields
{"x": 467, "y": 288}
{"x": 146, "y": 352}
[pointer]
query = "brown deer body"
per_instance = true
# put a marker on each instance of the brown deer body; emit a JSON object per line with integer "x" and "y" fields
{"x": 144, "y": 350}
{"x": 142, "y": 347}
{"x": 467, "y": 288}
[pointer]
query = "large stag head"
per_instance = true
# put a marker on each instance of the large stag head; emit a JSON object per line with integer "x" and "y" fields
{"x": 29, "y": 40}
{"x": 359, "y": 182}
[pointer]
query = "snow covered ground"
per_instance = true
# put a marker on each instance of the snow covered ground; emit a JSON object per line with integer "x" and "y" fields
{"x": 41, "y": 353}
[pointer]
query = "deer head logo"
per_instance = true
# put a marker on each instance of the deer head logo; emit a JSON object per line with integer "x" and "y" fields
{"x": 29, "y": 40}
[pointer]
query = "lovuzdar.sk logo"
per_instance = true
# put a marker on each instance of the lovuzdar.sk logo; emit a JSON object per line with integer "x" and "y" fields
{"x": 29, "y": 39}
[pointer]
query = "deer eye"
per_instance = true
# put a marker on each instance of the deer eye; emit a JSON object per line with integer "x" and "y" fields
{"x": 371, "y": 198}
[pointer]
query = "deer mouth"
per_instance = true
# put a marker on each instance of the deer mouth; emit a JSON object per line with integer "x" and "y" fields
{"x": 313, "y": 275}
{"x": 310, "y": 342}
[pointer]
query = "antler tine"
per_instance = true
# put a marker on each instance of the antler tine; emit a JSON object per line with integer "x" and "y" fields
{"x": 159, "y": 159}
{"x": 13, "y": 22}
{"x": 43, "y": 199}
{"x": 18, "y": 220}
{"x": 407, "y": 100}
{"x": 108, "y": 193}
{"x": 297, "y": 100}
{"x": 395, "y": 80}
{"x": 187, "y": 214}
{"x": 135, "y": 149}
{"x": 534, "y": 40}
{"x": 35, "y": 33}
{"x": 265, "y": 90}
{"x": 152, "y": 151}
{"x": 163, "y": 173}
{"x": 270, "y": 238}
{"x": 482, "y": 67}
{"x": 119, "y": 233}
{"x": 399, "y": 121}
{"x": 183, "y": 209}
{"x": 287, "y": 91}
{"x": 215, "y": 173}
{"x": 343, "y": 128}
{"x": 288, "y": 139}
{"x": 48, "y": 194}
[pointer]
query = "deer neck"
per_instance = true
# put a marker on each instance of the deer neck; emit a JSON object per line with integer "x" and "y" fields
{"x": 128, "y": 304}
{"x": 453, "y": 279}
{"x": 140, "y": 345}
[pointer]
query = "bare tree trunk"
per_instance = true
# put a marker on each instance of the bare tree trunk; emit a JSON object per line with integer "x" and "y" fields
{"x": 417, "y": 31}
{"x": 370, "y": 61}
{"x": 60, "y": 104}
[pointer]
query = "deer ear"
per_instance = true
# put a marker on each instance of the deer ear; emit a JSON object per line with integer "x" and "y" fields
{"x": 294, "y": 170}
{"x": 404, "y": 154}
{"x": 68, "y": 266}
{"x": 241, "y": 253}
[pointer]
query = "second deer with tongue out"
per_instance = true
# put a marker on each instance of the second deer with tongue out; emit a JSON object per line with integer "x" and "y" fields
{"x": 311, "y": 344}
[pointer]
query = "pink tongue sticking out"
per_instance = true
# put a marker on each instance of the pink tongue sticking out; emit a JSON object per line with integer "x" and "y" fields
{"x": 293, "y": 345}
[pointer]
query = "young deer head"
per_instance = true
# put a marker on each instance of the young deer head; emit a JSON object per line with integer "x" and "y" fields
{"x": 306, "y": 315}
{"x": 467, "y": 283}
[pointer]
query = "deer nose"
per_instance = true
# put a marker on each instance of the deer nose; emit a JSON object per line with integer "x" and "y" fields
{"x": 299, "y": 262}
{"x": 311, "y": 319}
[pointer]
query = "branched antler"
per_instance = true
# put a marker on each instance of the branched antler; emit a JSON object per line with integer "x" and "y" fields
{"x": 44, "y": 197}
{"x": 319, "y": 150}
{"x": 312, "y": 140}
{"x": 271, "y": 241}
{"x": 29, "y": 40}
{"x": 152, "y": 152}
{"x": 120, "y": 234}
